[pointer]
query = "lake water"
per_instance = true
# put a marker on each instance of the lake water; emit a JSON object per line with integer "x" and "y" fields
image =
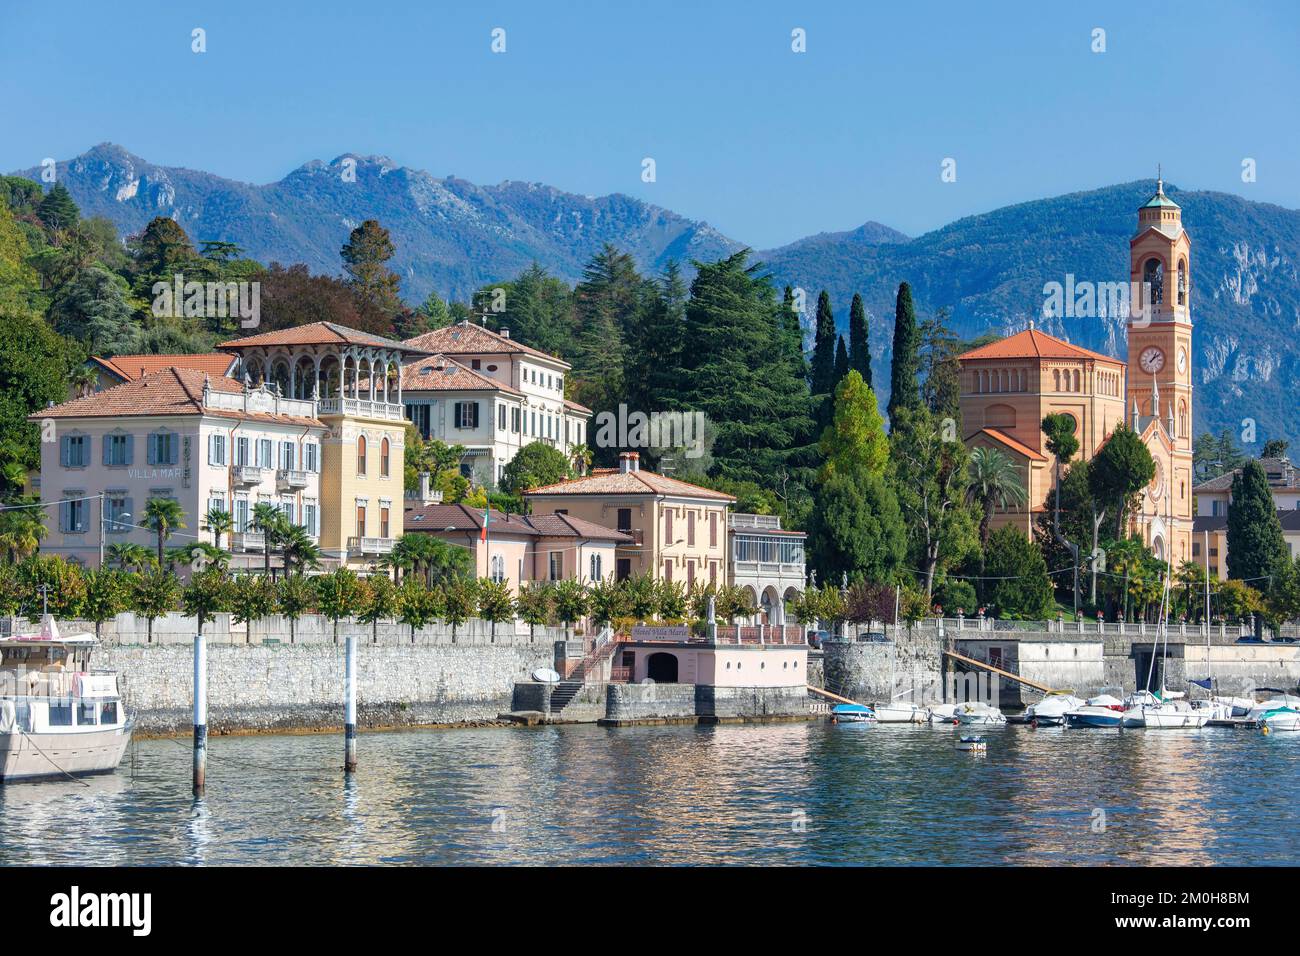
{"x": 749, "y": 794}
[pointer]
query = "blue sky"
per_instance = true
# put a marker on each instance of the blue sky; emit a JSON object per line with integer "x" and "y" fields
{"x": 766, "y": 144}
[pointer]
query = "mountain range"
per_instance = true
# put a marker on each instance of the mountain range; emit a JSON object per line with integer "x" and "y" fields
{"x": 452, "y": 236}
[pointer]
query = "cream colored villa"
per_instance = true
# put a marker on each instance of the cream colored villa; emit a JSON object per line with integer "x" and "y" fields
{"x": 1010, "y": 385}
{"x": 353, "y": 379}
{"x": 493, "y": 395}
{"x": 177, "y": 433}
{"x": 1210, "y": 543}
{"x": 678, "y": 530}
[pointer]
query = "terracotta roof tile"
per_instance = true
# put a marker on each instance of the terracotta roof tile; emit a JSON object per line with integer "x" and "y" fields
{"x": 439, "y": 373}
{"x": 172, "y": 391}
{"x": 465, "y": 338}
{"x": 614, "y": 482}
{"x": 1032, "y": 343}
{"x": 460, "y": 517}
{"x": 129, "y": 367}
{"x": 319, "y": 333}
{"x": 1005, "y": 439}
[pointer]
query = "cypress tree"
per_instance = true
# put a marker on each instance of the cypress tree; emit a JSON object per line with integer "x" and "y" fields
{"x": 1257, "y": 550}
{"x": 841, "y": 361}
{"x": 859, "y": 339}
{"x": 905, "y": 361}
{"x": 823, "y": 360}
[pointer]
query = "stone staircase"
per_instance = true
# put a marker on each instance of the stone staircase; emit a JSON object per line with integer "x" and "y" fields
{"x": 563, "y": 693}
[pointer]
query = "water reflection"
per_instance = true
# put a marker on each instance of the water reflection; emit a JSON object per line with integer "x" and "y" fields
{"x": 679, "y": 795}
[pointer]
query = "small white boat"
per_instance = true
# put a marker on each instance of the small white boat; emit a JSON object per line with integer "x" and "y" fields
{"x": 974, "y": 744}
{"x": 57, "y": 717}
{"x": 941, "y": 713}
{"x": 1051, "y": 710}
{"x": 1237, "y": 706}
{"x": 978, "y": 714}
{"x": 1100, "y": 711}
{"x": 852, "y": 714}
{"x": 1277, "y": 713}
{"x": 1279, "y": 718}
{"x": 1167, "y": 715}
{"x": 901, "y": 712}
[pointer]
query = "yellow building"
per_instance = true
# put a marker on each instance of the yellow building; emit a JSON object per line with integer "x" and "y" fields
{"x": 355, "y": 379}
{"x": 679, "y": 530}
{"x": 1010, "y": 385}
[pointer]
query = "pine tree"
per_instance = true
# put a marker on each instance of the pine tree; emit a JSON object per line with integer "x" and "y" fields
{"x": 904, "y": 364}
{"x": 605, "y": 300}
{"x": 364, "y": 256}
{"x": 736, "y": 369}
{"x": 1257, "y": 551}
{"x": 859, "y": 339}
{"x": 58, "y": 210}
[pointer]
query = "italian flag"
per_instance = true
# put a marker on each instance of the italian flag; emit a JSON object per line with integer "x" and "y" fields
{"x": 487, "y": 518}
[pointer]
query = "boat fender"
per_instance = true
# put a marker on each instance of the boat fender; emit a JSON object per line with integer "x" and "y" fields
{"x": 1034, "y": 723}
{"x": 1266, "y": 730}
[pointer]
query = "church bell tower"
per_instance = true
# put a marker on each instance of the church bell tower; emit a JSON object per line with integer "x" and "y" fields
{"x": 1159, "y": 378}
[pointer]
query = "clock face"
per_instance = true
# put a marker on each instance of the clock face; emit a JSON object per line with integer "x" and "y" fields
{"x": 1152, "y": 360}
{"x": 1182, "y": 360}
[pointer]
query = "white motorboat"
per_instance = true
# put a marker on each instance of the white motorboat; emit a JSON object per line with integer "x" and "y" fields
{"x": 1100, "y": 711}
{"x": 973, "y": 744}
{"x": 1237, "y": 706}
{"x": 901, "y": 712}
{"x": 1051, "y": 710}
{"x": 978, "y": 714}
{"x": 852, "y": 714}
{"x": 941, "y": 713}
{"x": 57, "y": 717}
{"x": 1277, "y": 713}
{"x": 1166, "y": 715}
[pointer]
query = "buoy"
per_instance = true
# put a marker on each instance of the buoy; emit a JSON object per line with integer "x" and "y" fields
{"x": 1266, "y": 730}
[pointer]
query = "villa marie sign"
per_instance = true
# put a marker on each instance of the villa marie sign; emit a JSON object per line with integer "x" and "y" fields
{"x": 643, "y": 632}
{"x": 151, "y": 473}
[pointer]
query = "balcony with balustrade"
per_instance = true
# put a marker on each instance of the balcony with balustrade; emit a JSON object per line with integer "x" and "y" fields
{"x": 245, "y": 476}
{"x": 289, "y": 479}
{"x": 361, "y": 547}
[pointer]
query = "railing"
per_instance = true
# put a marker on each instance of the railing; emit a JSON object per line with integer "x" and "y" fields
{"x": 291, "y": 478}
{"x": 770, "y": 568}
{"x": 370, "y": 545}
{"x": 603, "y": 648}
{"x": 248, "y": 541}
{"x": 361, "y": 407}
{"x": 771, "y": 522}
{"x": 789, "y": 634}
{"x": 47, "y": 682}
{"x": 247, "y": 474}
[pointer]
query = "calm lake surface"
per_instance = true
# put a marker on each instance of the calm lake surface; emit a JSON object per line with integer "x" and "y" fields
{"x": 748, "y": 794}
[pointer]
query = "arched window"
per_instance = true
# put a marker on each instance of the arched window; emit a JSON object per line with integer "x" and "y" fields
{"x": 1076, "y": 381}
{"x": 595, "y": 568}
{"x": 1182, "y": 281}
{"x": 1056, "y": 377}
{"x": 383, "y": 458}
{"x": 1153, "y": 277}
{"x": 498, "y": 568}
{"x": 361, "y": 455}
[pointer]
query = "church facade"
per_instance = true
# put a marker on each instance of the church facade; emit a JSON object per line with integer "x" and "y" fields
{"x": 1009, "y": 386}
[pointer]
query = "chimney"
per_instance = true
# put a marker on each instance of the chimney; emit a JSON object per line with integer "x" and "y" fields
{"x": 629, "y": 461}
{"x": 505, "y": 333}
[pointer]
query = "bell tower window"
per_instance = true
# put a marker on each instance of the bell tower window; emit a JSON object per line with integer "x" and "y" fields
{"x": 1153, "y": 277}
{"x": 1182, "y": 281}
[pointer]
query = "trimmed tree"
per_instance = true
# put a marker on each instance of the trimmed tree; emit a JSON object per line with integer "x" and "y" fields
{"x": 536, "y": 464}
{"x": 295, "y": 596}
{"x": 495, "y": 603}
{"x": 1019, "y": 586}
{"x": 339, "y": 594}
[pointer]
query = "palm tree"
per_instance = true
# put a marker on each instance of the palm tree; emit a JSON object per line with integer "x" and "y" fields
{"x": 994, "y": 483}
{"x": 401, "y": 558}
{"x": 163, "y": 516}
{"x": 127, "y": 555}
{"x": 21, "y": 531}
{"x": 301, "y": 553}
{"x": 82, "y": 380}
{"x": 581, "y": 457}
{"x": 219, "y": 522}
{"x": 269, "y": 520}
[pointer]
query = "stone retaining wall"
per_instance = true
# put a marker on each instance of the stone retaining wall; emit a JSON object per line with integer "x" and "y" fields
{"x": 279, "y": 687}
{"x": 635, "y": 702}
{"x": 750, "y": 703}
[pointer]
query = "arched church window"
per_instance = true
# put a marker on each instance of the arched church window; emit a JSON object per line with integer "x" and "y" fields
{"x": 1182, "y": 281}
{"x": 1076, "y": 380}
{"x": 1056, "y": 378}
{"x": 1153, "y": 277}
